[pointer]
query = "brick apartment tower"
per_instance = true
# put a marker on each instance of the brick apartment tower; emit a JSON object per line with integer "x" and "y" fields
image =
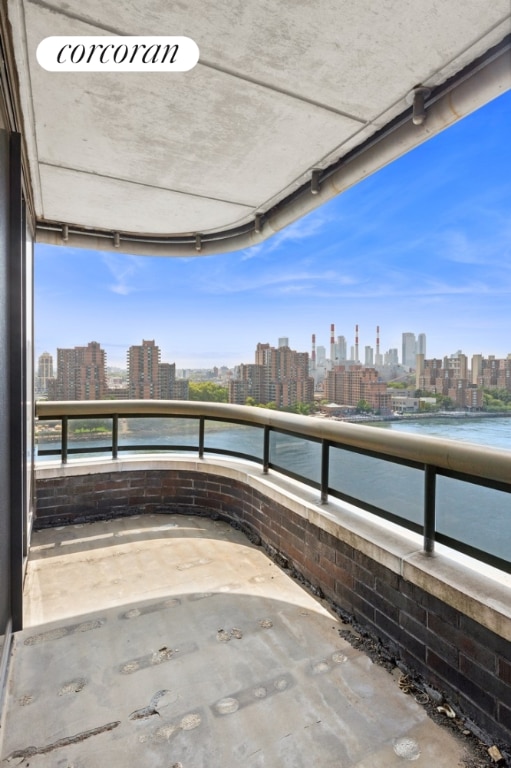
{"x": 278, "y": 375}
{"x": 81, "y": 374}
{"x": 167, "y": 381}
{"x": 144, "y": 371}
{"x": 348, "y": 386}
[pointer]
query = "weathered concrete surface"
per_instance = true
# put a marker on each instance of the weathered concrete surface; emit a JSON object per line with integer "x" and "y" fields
{"x": 167, "y": 641}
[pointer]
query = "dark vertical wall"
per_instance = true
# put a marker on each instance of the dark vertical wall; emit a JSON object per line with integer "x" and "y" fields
{"x": 5, "y": 528}
{"x": 15, "y": 392}
{"x": 17, "y": 372}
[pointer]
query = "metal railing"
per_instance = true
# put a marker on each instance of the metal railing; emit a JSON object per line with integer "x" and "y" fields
{"x": 355, "y": 463}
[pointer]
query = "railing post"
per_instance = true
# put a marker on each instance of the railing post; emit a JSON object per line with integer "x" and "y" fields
{"x": 324, "y": 471}
{"x": 64, "y": 439}
{"x": 201, "y": 437}
{"x": 429, "y": 508}
{"x": 115, "y": 435}
{"x": 266, "y": 449}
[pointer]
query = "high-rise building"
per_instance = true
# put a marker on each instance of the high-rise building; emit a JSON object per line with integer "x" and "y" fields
{"x": 491, "y": 372}
{"x": 450, "y": 378}
{"x": 167, "y": 379}
{"x": 408, "y": 350}
{"x": 144, "y": 371}
{"x": 181, "y": 389}
{"x": 44, "y": 372}
{"x": 368, "y": 356}
{"x": 341, "y": 349}
{"x": 81, "y": 374}
{"x": 391, "y": 357}
{"x": 458, "y": 364}
{"x": 421, "y": 344}
{"x": 348, "y": 385}
{"x": 279, "y": 375}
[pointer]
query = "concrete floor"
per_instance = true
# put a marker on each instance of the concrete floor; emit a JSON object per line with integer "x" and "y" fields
{"x": 172, "y": 642}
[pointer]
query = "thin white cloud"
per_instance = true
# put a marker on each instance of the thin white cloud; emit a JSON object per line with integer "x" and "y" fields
{"x": 124, "y": 270}
{"x": 280, "y": 280}
{"x": 311, "y": 225}
{"x": 252, "y": 252}
{"x": 457, "y": 246}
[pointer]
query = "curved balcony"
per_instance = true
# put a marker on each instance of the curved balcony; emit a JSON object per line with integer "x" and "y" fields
{"x": 407, "y": 538}
{"x": 448, "y": 492}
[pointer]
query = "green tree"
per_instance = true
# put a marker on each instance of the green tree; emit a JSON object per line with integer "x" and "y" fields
{"x": 207, "y": 391}
{"x": 303, "y": 409}
{"x": 363, "y": 406}
{"x": 445, "y": 403}
{"x": 84, "y": 426}
{"x": 496, "y": 399}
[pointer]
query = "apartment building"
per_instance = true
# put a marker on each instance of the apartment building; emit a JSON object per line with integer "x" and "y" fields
{"x": 144, "y": 371}
{"x": 449, "y": 377}
{"x": 279, "y": 375}
{"x": 81, "y": 374}
{"x": 491, "y": 372}
{"x": 349, "y": 385}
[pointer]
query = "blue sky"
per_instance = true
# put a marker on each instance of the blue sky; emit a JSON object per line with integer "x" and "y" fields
{"x": 422, "y": 246}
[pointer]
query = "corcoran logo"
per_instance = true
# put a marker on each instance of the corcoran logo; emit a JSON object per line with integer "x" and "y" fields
{"x": 117, "y": 54}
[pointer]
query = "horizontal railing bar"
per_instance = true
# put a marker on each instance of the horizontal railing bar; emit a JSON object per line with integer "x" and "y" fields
{"x": 475, "y": 552}
{"x": 378, "y": 455}
{"x": 495, "y": 485}
{"x": 241, "y": 422}
{"x": 150, "y": 447}
{"x": 374, "y": 510}
{"x": 94, "y": 449}
{"x": 291, "y": 433}
{"x": 478, "y": 461}
{"x": 237, "y": 454}
{"x": 295, "y": 476}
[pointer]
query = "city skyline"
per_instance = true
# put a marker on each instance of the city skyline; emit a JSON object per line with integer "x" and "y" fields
{"x": 422, "y": 246}
{"x": 322, "y": 352}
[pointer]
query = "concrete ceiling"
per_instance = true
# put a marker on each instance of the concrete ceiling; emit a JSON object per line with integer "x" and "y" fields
{"x": 281, "y": 88}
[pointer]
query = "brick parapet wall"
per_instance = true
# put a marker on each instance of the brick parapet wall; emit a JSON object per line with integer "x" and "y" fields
{"x": 454, "y": 653}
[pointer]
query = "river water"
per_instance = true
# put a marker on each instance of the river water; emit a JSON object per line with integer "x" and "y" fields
{"x": 495, "y": 432}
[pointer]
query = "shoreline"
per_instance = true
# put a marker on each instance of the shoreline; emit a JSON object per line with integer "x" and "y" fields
{"x": 454, "y": 415}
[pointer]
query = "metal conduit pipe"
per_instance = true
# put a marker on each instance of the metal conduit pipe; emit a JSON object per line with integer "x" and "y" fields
{"x": 451, "y": 455}
{"x": 468, "y": 92}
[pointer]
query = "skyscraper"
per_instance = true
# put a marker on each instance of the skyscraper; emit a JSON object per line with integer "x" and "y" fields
{"x": 421, "y": 344}
{"x": 44, "y": 372}
{"x": 341, "y": 349}
{"x": 143, "y": 371}
{"x": 408, "y": 350}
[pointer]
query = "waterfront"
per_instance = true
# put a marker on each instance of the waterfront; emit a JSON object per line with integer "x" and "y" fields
{"x": 494, "y": 432}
